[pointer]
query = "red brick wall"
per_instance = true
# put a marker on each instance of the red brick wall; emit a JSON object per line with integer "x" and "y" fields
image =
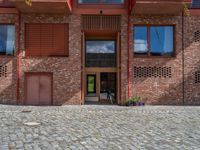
{"x": 66, "y": 70}
{"x": 159, "y": 90}
{"x": 192, "y": 60}
{"x": 8, "y": 84}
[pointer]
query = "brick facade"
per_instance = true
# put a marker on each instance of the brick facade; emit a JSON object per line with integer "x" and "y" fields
{"x": 67, "y": 70}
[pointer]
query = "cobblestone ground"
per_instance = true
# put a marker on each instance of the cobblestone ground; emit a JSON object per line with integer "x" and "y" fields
{"x": 100, "y": 127}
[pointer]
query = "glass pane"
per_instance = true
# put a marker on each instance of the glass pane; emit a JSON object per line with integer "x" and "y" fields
{"x": 113, "y": 1}
{"x": 101, "y": 1}
{"x": 88, "y": 1}
{"x": 140, "y": 40}
{"x": 7, "y": 39}
{"x": 91, "y": 83}
{"x": 161, "y": 40}
{"x": 100, "y": 53}
{"x": 107, "y": 85}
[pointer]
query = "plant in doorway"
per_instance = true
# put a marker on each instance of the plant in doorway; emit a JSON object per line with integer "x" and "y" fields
{"x": 134, "y": 101}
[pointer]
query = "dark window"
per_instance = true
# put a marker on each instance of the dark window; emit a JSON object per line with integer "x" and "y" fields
{"x": 100, "y": 1}
{"x": 7, "y": 39}
{"x": 154, "y": 40}
{"x": 195, "y": 3}
{"x": 100, "y": 53}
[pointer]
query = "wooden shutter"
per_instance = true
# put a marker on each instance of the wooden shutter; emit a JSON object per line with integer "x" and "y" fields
{"x": 47, "y": 39}
{"x": 60, "y": 41}
{"x": 33, "y": 39}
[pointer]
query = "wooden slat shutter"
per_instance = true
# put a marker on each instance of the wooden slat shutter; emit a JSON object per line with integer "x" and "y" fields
{"x": 60, "y": 40}
{"x": 47, "y": 39}
{"x": 33, "y": 39}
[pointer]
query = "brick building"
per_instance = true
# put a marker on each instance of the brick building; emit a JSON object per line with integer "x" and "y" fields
{"x": 58, "y": 52}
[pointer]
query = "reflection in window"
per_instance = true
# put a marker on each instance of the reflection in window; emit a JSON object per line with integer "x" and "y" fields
{"x": 100, "y": 53}
{"x": 195, "y": 4}
{"x": 7, "y": 39}
{"x": 161, "y": 40}
{"x": 101, "y": 1}
{"x": 159, "y": 43}
{"x": 140, "y": 40}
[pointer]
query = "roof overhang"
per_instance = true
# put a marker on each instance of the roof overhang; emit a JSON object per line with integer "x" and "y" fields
{"x": 44, "y": 6}
{"x": 158, "y": 7}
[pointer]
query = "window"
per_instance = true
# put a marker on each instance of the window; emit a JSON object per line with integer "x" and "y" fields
{"x": 100, "y": 53}
{"x": 154, "y": 40}
{"x": 195, "y": 4}
{"x": 7, "y": 39}
{"x": 100, "y": 1}
{"x": 47, "y": 39}
{"x": 140, "y": 41}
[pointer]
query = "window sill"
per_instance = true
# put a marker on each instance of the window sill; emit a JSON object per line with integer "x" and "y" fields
{"x": 154, "y": 57}
{"x": 26, "y": 57}
{"x": 7, "y": 56}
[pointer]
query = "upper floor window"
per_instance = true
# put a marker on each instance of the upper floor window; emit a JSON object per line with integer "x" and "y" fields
{"x": 7, "y": 39}
{"x": 100, "y": 1}
{"x": 195, "y": 3}
{"x": 154, "y": 40}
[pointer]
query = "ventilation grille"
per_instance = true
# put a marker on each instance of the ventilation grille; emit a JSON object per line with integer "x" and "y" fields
{"x": 94, "y": 22}
{"x": 149, "y": 72}
{"x": 197, "y": 36}
{"x": 197, "y": 77}
{"x": 3, "y": 71}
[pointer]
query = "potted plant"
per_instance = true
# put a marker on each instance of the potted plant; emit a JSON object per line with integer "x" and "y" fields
{"x": 134, "y": 101}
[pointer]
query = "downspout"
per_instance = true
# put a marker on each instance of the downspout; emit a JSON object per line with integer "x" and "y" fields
{"x": 69, "y": 3}
{"x": 183, "y": 58}
{"x": 128, "y": 50}
{"x": 131, "y": 4}
{"x": 18, "y": 58}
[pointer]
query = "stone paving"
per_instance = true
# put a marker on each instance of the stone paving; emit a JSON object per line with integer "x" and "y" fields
{"x": 100, "y": 128}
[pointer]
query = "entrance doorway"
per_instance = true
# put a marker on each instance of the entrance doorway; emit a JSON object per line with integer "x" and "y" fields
{"x": 101, "y": 71}
{"x": 101, "y": 87}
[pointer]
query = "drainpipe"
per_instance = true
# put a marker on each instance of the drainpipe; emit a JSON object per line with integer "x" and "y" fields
{"x": 18, "y": 58}
{"x": 128, "y": 48}
{"x": 131, "y": 4}
{"x": 69, "y": 3}
{"x": 183, "y": 58}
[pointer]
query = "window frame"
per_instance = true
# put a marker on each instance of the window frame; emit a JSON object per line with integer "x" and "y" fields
{"x": 148, "y": 54}
{"x": 14, "y": 50}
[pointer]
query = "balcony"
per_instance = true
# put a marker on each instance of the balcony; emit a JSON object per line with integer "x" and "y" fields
{"x": 44, "y": 6}
{"x": 158, "y": 7}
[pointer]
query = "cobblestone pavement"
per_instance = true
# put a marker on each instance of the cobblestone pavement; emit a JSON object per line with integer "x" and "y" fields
{"x": 100, "y": 127}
